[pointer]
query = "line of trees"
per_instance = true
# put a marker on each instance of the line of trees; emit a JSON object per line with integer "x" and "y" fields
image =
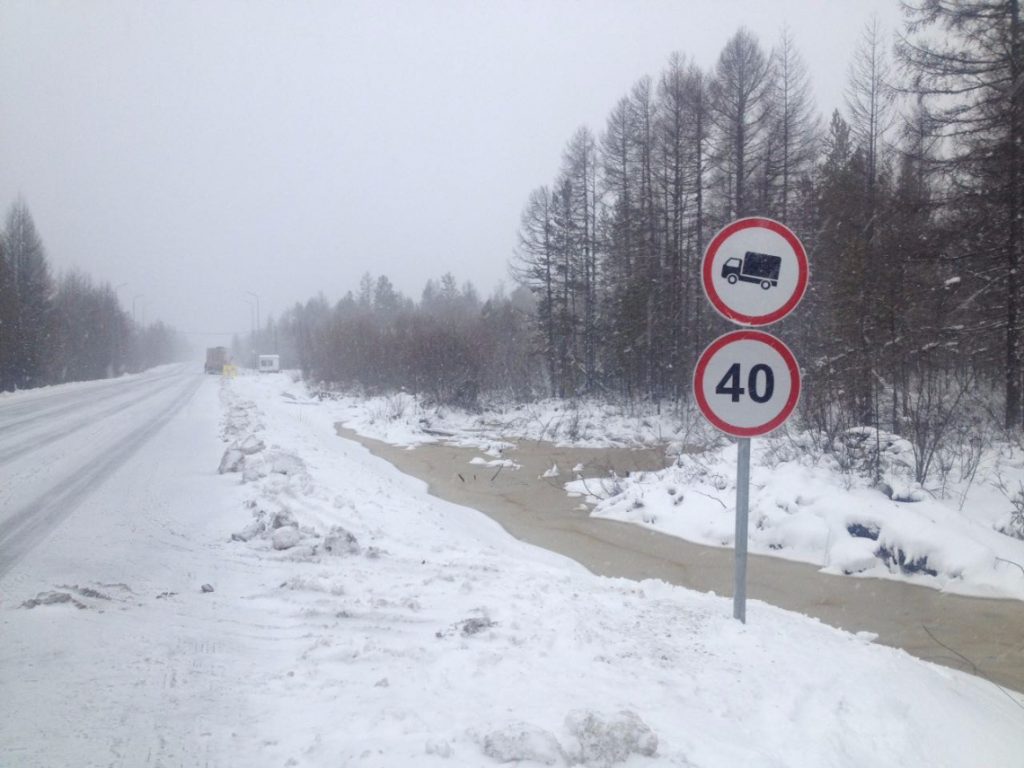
{"x": 65, "y": 329}
{"x": 909, "y": 200}
{"x": 611, "y": 247}
{"x": 449, "y": 346}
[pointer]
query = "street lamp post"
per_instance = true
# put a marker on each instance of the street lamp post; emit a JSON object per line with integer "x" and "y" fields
{"x": 252, "y": 321}
{"x": 255, "y": 351}
{"x": 252, "y": 326}
{"x": 118, "y": 361}
{"x": 256, "y": 296}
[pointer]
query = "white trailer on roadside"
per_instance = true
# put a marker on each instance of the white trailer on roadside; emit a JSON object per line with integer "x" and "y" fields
{"x": 269, "y": 363}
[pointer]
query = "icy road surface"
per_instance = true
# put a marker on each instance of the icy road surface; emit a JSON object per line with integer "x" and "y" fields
{"x": 58, "y": 444}
{"x": 103, "y": 660}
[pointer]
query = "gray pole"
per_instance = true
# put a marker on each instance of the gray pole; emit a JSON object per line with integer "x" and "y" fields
{"x": 256, "y": 296}
{"x": 255, "y": 342}
{"x": 739, "y": 600}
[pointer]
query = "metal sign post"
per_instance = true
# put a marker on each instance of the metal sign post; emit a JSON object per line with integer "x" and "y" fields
{"x": 747, "y": 382}
{"x": 739, "y": 595}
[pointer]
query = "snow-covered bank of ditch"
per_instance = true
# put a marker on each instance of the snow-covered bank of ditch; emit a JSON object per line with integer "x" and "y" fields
{"x": 429, "y": 637}
{"x": 403, "y": 419}
{"x": 804, "y": 507}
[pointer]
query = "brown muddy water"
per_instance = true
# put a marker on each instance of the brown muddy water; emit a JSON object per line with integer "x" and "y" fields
{"x": 981, "y": 636}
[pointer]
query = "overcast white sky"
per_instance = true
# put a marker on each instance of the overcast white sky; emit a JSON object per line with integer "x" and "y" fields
{"x": 195, "y": 151}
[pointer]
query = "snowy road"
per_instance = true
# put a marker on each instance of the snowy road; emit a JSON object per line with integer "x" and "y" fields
{"x": 106, "y": 492}
{"x": 57, "y": 445}
{"x": 319, "y": 608}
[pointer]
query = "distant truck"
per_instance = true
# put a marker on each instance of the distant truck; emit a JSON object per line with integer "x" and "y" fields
{"x": 216, "y": 359}
{"x": 270, "y": 363}
{"x": 760, "y": 268}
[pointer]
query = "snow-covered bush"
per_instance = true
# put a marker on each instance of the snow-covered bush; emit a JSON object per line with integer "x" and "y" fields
{"x": 1015, "y": 526}
{"x": 392, "y": 407}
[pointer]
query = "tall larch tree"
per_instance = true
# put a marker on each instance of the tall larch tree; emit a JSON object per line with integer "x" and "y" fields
{"x": 869, "y": 104}
{"x": 795, "y": 125}
{"x": 535, "y": 267}
{"x": 741, "y": 108}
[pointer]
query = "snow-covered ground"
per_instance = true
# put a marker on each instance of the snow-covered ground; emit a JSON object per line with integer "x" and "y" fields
{"x": 403, "y": 419}
{"x": 804, "y": 504}
{"x": 311, "y": 606}
{"x": 803, "y": 508}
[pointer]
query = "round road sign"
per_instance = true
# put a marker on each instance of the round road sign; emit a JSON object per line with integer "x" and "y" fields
{"x": 746, "y": 383}
{"x": 754, "y": 271}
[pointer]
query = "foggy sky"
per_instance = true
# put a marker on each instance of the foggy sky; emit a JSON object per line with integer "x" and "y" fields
{"x": 191, "y": 152}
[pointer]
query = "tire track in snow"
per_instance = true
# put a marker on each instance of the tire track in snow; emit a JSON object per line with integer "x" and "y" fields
{"x": 33, "y": 521}
{"x": 34, "y": 442}
{"x": 42, "y": 407}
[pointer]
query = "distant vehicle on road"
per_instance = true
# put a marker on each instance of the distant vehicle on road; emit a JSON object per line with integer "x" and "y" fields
{"x": 216, "y": 359}
{"x": 270, "y": 363}
{"x": 760, "y": 268}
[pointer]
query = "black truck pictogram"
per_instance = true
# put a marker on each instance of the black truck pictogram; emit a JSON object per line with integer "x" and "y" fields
{"x": 754, "y": 267}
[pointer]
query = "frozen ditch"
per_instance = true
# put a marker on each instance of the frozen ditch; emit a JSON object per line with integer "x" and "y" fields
{"x": 433, "y": 638}
{"x": 931, "y": 625}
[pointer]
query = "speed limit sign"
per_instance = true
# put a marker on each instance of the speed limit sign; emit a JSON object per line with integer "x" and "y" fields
{"x": 746, "y": 383}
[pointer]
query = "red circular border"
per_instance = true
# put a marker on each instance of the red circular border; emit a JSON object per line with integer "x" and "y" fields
{"x": 730, "y": 338}
{"x": 724, "y": 234}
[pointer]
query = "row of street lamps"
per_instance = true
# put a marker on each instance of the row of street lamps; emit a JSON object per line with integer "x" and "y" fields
{"x": 254, "y": 329}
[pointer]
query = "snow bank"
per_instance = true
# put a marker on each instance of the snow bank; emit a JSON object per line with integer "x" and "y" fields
{"x": 804, "y": 508}
{"x": 403, "y": 419}
{"x": 436, "y": 640}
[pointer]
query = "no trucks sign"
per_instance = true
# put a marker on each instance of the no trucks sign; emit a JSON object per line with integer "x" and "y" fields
{"x": 754, "y": 271}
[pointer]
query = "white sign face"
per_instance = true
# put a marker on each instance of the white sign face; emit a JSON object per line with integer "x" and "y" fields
{"x": 754, "y": 271}
{"x": 746, "y": 383}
